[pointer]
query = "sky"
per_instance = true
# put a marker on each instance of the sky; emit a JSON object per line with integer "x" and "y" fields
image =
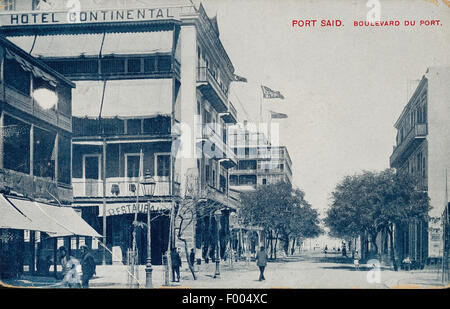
{"x": 344, "y": 87}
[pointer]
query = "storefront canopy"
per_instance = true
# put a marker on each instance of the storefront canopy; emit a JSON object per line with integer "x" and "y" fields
{"x": 76, "y": 45}
{"x": 11, "y": 218}
{"x": 54, "y": 220}
{"x": 123, "y": 98}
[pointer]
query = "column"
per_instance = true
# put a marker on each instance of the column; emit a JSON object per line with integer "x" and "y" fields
{"x": 32, "y": 150}
{"x": 2, "y": 131}
{"x": 188, "y": 102}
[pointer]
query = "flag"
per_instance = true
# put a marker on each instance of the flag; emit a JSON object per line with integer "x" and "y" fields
{"x": 275, "y": 115}
{"x": 271, "y": 94}
{"x": 237, "y": 78}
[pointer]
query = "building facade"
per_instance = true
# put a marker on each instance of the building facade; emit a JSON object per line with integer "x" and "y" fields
{"x": 423, "y": 150}
{"x": 259, "y": 163}
{"x": 151, "y": 97}
{"x": 35, "y": 164}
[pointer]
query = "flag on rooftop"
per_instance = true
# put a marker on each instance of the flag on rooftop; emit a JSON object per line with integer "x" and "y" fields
{"x": 271, "y": 94}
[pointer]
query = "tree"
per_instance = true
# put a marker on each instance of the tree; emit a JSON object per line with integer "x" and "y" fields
{"x": 192, "y": 208}
{"x": 376, "y": 201}
{"x": 282, "y": 212}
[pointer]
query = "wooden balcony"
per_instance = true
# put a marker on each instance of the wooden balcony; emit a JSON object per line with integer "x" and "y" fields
{"x": 210, "y": 135}
{"x": 408, "y": 145}
{"x": 34, "y": 187}
{"x": 231, "y": 115}
{"x": 211, "y": 89}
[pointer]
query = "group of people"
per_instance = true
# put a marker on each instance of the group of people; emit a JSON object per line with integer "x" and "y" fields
{"x": 76, "y": 273}
{"x": 261, "y": 261}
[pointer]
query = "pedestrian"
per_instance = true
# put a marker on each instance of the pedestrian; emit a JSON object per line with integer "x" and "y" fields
{"x": 87, "y": 266}
{"x": 356, "y": 260}
{"x": 71, "y": 269}
{"x": 192, "y": 257}
{"x": 176, "y": 264}
{"x": 261, "y": 262}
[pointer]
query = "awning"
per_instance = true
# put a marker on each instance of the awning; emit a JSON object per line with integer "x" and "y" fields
{"x": 60, "y": 45}
{"x": 54, "y": 220}
{"x": 26, "y": 66}
{"x": 76, "y": 45}
{"x": 123, "y": 98}
{"x": 11, "y": 218}
{"x": 138, "y": 43}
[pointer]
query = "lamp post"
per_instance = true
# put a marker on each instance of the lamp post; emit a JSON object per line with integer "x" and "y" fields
{"x": 217, "y": 215}
{"x": 148, "y": 185}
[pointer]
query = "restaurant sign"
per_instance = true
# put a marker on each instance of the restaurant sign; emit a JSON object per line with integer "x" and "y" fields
{"x": 89, "y": 16}
{"x": 119, "y": 209}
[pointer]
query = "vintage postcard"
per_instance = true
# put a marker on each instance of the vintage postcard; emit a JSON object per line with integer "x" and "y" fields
{"x": 225, "y": 144}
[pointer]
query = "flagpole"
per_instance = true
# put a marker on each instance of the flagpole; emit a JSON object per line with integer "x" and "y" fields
{"x": 260, "y": 104}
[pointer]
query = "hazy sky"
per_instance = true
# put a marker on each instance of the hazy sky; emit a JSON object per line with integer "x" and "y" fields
{"x": 344, "y": 87}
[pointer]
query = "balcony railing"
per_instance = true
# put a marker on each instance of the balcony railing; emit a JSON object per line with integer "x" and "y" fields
{"x": 209, "y": 134}
{"x": 418, "y": 132}
{"x": 33, "y": 186}
{"x": 212, "y": 90}
{"x": 119, "y": 187}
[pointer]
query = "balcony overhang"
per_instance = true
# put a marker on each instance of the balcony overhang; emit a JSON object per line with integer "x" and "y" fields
{"x": 412, "y": 140}
{"x": 210, "y": 89}
{"x": 228, "y": 117}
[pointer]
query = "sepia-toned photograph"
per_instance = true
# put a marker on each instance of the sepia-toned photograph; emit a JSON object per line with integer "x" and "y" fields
{"x": 224, "y": 144}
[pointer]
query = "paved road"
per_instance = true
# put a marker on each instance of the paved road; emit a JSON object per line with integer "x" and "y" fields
{"x": 306, "y": 271}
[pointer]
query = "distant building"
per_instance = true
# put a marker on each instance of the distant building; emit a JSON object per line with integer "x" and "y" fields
{"x": 423, "y": 149}
{"x": 259, "y": 162}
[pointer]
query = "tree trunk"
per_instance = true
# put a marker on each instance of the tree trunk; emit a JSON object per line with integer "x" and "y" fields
{"x": 271, "y": 245}
{"x": 275, "y": 247}
{"x": 293, "y": 246}
{"x": 191, "y": 267}
{"x": 391, "y": 240}
{"x": 374, "y": 242}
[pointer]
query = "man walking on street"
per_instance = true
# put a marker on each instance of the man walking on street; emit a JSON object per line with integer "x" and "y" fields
{"x": 176, "y": 264}
{"x": 261, "y": 262}
{"x": 87, "y": 266}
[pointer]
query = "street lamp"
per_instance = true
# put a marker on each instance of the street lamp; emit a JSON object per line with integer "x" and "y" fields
{"x": 148, "y": 185}
{"x": 217, "y": 215}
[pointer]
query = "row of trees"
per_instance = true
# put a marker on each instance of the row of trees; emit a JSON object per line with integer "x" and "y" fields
{"x": 279, "y": 209}
{"x": 282, "y": 212}
{"x": 374, "y": 202}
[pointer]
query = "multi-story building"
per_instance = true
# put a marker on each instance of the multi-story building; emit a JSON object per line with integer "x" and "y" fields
{"x": 35, "y": 163}
{"x": 423, "y": 149}
{"x": 147, "y": 77}
{"x": 259, "y": 162}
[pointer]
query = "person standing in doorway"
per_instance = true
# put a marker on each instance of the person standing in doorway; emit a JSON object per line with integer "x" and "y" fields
{"x": 261, "y": 262}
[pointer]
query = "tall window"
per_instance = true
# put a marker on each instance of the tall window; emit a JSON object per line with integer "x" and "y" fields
{"x": 163, "y": 165}
{"x": 133, "y": 164}
{"x": 92, "y": 167}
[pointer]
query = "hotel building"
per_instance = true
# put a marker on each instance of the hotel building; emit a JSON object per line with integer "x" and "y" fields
{"x": 151, "y": 97}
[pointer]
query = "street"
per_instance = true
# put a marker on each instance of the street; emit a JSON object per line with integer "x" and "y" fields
{"x": 309, "y": 270}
